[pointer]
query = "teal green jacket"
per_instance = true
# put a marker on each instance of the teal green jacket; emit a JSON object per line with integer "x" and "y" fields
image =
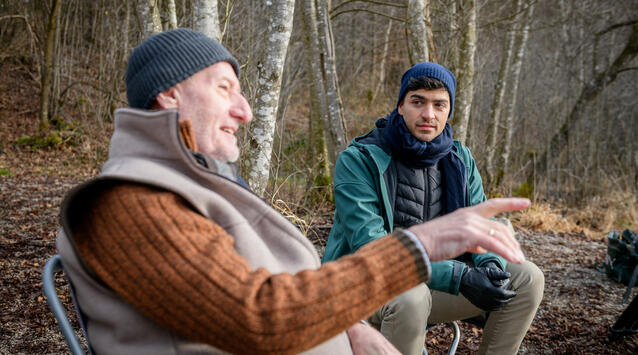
{"x": 363, "y": 211}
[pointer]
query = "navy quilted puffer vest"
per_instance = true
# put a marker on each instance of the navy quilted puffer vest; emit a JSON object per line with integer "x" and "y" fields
{"x": 415, "y": 194}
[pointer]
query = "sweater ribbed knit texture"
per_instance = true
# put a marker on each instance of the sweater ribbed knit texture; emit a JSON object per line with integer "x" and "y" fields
{"x": 181, "y": 270}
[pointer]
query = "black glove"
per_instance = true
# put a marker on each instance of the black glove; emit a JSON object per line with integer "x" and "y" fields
{"x": 477, "y": 285}
{"x": 502, "y": 283}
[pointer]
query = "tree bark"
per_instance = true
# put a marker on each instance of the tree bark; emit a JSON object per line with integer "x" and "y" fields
{"x": 47, "y": 72}
{"x": 320, "y": 176}
{"x": 519, "y": 51}
{"x": 269, "y": 75}
{"x": 309, "y": 13}
{"x": 330, "y": 79}
{"x": 381, "y": 70}
{"x": 432, "y": 54}
{"x": 150, "y": 21}
{"x": 172, "y": 14}
{"x": 206, "y": 18}
{"x": 465, "y": 71}
{"x": 491, "y": 175}
{"x": 416, "y": 31}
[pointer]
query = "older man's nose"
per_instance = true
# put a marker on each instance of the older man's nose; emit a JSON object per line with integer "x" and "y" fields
{"x": 240, "y": 109}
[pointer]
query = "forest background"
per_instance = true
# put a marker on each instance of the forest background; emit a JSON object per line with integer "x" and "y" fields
{"x": 547, "y": 98}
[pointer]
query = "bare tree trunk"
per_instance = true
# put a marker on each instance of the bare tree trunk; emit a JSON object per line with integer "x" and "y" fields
{"x": 521, "y": 44}
{"x": 465, "y": 71}
{"x": 309, "y": 13}
{"x": 416, "y": 31}
{"x": 320, "y": 175}
{"x": 148, "y": 11}
{"x": 155, "y": 15}
{"x": 384, "y": 54}
{"x": 330, "y": 80}
{"x": 47, "y": 72}
{"x": 172, "y": 14}
{"x": 432, "y": 55}
{"x": 125, "y": 32}
{"x": 452, "y": 58}
{"x": 590, "y": 92}
{"x": 206, "y": 18}
{"x": 492, "y": 175}
{"x": 267, "y": 96}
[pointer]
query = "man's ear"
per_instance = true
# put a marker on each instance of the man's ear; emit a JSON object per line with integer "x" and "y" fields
{"x": 400, "y": 109}
{"x": 167, "y": 99}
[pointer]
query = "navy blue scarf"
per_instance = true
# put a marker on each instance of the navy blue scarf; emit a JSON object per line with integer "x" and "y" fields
{"x": 415, "y": 153}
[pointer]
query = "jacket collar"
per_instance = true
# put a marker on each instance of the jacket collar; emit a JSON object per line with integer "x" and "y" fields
{"x": 155, "y": 135}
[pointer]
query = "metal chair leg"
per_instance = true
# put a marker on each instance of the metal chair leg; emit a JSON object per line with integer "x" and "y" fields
{"x": 48, "y": 285}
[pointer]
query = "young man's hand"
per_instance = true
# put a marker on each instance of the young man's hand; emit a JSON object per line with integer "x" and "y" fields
{"x": 498, "y": 282}
{"x": 366, "y": 340}
{"x": 470, "y": 230}
{"x": 478, "y": 286}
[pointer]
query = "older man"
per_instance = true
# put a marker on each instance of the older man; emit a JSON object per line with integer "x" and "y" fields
{"x": 410, "y": 170}
{"x": 170, "y": 253}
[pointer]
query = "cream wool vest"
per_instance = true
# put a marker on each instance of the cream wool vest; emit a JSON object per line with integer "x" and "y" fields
{"x": 146, "y": 148}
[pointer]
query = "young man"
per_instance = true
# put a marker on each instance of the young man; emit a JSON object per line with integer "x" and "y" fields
{"x": 170, "y": 254}
{"x": 409, "y": 170}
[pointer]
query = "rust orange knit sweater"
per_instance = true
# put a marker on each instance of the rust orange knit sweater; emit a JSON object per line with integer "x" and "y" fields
{"x": 227, "y": 304}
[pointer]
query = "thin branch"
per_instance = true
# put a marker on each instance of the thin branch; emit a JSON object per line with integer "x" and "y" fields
{"x": 369, "y": 11}
{"x": 617, "y": 25}
{"x": 34, "y": 39}
{"x": 369, "y": 1}
{"x": 509, "y": 17}
{"x": 626, "y": 69}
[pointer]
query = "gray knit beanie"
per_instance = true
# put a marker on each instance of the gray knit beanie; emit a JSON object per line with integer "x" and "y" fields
{"x": 168, "y": 58}
{"x": 429, "y": 70}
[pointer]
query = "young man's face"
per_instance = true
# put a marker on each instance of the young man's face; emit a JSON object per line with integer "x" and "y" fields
{"x": 211, "y": 99}
{"x": 425, "y": 112}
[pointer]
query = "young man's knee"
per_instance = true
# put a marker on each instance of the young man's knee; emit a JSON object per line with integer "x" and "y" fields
{"x": 531, "y": 280}
{"x": 414, "y": 304}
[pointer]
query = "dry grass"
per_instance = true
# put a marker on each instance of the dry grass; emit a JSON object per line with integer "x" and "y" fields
{"x": 594, "y": 218}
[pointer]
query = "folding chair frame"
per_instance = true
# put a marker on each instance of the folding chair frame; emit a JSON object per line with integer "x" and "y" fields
{"x": 48, "y": 286}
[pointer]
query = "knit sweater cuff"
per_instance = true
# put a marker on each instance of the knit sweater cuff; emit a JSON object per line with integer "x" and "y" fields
{"x": 418, "y": 252}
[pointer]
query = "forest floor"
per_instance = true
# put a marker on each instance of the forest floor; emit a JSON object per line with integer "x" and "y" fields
{"x": 578, "y": 307}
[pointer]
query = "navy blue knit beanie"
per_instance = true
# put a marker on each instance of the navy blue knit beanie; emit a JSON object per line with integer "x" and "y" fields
{"x": 168, "y": 58}
{"x": 430, "y": 70}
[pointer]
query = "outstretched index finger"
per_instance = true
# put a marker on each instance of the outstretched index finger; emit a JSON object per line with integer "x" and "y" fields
{"x": 492, "y": 207}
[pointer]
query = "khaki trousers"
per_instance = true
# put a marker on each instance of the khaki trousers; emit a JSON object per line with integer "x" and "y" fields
{"x": 403, "y": 320}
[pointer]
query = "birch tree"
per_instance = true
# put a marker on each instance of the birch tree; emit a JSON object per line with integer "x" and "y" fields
{"x": 384, "y": 54}
{"x": 324, "y": 75}
{"x": 519, "y": 51}
{"x": 206, "y": 18}
{"x": 172, "y": 14}
{"x": 491, "y": 175}
{"x": 320, "y": 152}
{"x": 416, "y": 31}
{"x": 465, "y": 70}
{"x": 309, "y": 18}
{"x": 330, "y": 79}
{"x": 270, "y": 69}
{"x": 149, "y": 17}
{"x": 432, "y": 53}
